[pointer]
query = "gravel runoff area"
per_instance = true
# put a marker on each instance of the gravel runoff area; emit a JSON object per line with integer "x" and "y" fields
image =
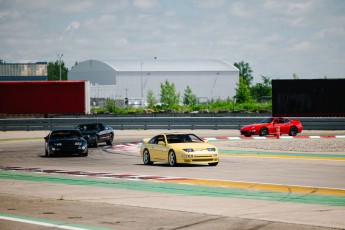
{"x": 322, "y": 145}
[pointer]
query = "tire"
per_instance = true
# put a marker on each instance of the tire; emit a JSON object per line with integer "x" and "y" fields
{"x": 110, "y": 141}
{"x": 293, "y": 131}
{"x": 146, "y": 157}
{"x": 48, "y": 154}
{"x": 213, "y": 164}
{"x": 263, "y": 132}
{"x": 96, "y": 142}
{"x": 85, "y": 154}
{"x": 172, "y": 158}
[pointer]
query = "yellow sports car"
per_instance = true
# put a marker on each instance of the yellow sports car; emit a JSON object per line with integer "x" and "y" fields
{"x": 176, "y": 148}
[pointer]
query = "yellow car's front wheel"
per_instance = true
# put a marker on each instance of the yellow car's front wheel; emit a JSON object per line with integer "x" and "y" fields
{"x": 146, "y": 157}
{"x": 172, "y": 158}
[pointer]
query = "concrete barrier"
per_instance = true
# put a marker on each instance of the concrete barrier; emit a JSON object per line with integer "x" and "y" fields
{"x": 164, "y": 123}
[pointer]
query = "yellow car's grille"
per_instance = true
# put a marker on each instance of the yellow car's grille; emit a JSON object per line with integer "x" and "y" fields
{"x": 205, "y": 159}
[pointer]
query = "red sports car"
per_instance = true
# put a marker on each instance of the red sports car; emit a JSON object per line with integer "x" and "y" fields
{"x": 268, "y": 126}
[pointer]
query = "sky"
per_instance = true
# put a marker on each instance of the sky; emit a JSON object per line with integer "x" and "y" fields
{"x": 277, "y": 38}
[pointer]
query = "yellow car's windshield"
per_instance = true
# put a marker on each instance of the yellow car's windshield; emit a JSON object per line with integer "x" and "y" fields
{"x": 183, "y": 138}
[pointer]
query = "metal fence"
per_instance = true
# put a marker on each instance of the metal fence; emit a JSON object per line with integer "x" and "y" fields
{"x": 163, "y": 123}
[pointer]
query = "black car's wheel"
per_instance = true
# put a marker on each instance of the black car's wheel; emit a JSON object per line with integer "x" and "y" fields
{"x": 146, "y": 157}
{"x": 96, "y": 141}
{"x": 46, "y": 153}
{"x": 85, "y": 154}
{"x": 172, "y": 158}
{"x": 110, "y": 141}
{"x": 213, "y": 164}
{"x": 293, "y": 131}
{"x": 263, "y": 132}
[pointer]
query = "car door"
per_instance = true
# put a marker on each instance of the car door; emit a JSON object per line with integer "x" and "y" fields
{"x": 158, "y": 150}
{"x": 283, "y": 126}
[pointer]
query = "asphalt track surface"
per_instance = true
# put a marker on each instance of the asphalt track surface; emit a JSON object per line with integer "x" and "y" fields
{"x": 112, "y": 189}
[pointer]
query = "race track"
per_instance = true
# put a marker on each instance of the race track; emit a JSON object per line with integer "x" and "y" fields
{"x": 252, "y": 187}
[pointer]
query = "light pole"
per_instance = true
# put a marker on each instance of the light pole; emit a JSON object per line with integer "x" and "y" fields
{"x": 141, "y": 83}
{"x": 126, "y": 99}
{"x": 60, "y": 56}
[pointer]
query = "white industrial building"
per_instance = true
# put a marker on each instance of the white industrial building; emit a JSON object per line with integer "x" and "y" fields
{"x": 208, "y": 79}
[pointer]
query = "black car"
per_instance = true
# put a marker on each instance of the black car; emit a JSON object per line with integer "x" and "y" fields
{"x": 96, "y": 133}
{"x": 65, "y": 141}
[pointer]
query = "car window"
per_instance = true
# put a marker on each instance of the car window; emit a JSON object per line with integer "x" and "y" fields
{"x": 267, "y": 120}
{"x": 160, "y": 138}
{"x": 183, "y": 138}
{"x": 87, "y": 127}
{"x": 153, "y": 140}
{"x": 65, "y": 134}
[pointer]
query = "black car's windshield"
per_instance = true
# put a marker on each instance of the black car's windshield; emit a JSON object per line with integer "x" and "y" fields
{"x": 267, "y": 120}
{"x": 65, "y": 134}
{"x": 88, "y": 127}
{"x": 183, "y": 138}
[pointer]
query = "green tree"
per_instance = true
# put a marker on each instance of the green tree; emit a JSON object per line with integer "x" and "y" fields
{"x": 151, "y": 99}
{"x": 245, "y": 72}
{"x": 242, "y": 92}
{"x": 295, "y": 76}
{"x": 261, "y": 89}
{"x": 169, "y": 98}
{"x": 54, "y": 71}
{"x": 189, "y": 99}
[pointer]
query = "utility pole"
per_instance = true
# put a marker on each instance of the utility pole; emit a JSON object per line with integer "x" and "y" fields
{"x": 60, "y": 56}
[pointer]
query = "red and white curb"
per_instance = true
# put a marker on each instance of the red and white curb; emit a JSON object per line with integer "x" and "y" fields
{"x": 128, "y": 148}
{"x": 91, "y": 174}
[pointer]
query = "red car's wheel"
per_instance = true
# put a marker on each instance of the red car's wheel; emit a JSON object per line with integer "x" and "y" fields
{"x": 263, "y": 131}
{"x": 293, "y": 131}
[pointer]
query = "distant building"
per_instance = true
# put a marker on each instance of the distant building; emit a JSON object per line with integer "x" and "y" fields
{"x": 208, "y": 79}
{"x": 24, "y": 71}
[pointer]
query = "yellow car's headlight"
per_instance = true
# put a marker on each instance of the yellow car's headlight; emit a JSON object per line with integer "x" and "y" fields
{"x": 211, "y": 149}
{"x": 188, "y": 150}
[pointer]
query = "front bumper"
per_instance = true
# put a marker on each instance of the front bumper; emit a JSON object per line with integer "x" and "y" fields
{"x": 69, "y": 151}
{"x": 248, "y": 132}
{"x": 194, "y": 158}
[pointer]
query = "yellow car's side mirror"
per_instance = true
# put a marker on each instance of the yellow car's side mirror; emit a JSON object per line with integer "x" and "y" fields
{"x": 161, "y": 143}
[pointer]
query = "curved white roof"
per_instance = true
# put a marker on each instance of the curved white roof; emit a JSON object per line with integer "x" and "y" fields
{"x": 172, "y": 65}
{"x": 105, "y": 72}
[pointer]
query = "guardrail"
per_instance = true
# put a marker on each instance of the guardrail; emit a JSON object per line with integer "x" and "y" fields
{"x": 163, "y": 123}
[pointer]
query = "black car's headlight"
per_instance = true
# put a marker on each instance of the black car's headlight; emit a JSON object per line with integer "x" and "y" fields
{"x": 78, "y": 143}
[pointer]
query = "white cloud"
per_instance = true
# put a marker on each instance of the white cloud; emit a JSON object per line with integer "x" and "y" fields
{"x": 73, "y": 26}
{"x": 302, "y": 46}
{"x": 239, "y": 9}
{"x": 146, "y": 4}
{"x": 209, "y": 4}
{"x": 284, "y": 34}
{"x": 273, "y": 38}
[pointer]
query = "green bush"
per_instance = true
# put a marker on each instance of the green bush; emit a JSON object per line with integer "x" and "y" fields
{"x": 214, "y": 106}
